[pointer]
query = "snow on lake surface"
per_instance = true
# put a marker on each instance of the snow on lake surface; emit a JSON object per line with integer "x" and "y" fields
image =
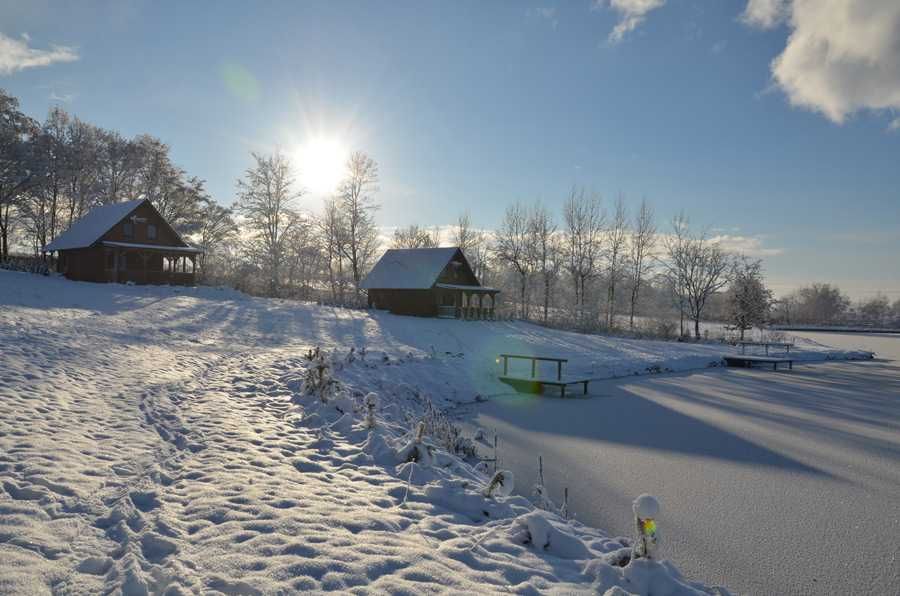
{"x": 158, "y": 439}
{"x": 771, "y": 483}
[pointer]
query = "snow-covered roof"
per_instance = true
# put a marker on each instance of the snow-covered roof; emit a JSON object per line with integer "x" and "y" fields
{"x": 92, "y": 226}
{"x": 408, "y": 268}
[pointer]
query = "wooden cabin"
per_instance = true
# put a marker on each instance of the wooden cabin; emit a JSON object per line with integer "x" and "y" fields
{"x": 429, "y": 282}
{"x": 125, "y": 242}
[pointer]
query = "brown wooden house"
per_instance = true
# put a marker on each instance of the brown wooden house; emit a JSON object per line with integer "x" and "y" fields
{"x": 125, "y": 242}
{"x": 429, "y": 282}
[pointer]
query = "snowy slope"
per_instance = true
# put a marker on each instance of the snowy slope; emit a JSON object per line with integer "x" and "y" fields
{"x": 157, "y": 440}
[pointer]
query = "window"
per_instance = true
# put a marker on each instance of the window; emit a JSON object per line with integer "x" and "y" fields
{"x": 128, "y": 229}
{"x": 151, "y": 232}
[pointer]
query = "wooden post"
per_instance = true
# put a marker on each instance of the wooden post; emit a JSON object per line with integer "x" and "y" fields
{"x": 559, "y": 370}
{"x": 533, "y": 367}
{"x": 505, "y": 365}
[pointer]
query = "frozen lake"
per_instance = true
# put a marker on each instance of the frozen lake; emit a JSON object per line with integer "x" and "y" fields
{"x": 771, "y": 483}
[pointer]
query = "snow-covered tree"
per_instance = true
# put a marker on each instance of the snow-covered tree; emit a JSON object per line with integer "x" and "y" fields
{"x": 749, "y": 300}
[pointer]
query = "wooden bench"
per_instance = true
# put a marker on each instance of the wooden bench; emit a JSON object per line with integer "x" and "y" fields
{"x": 748, "y": 361}
{"x": 777, "y": 344}
{"x": 535, "y": 384}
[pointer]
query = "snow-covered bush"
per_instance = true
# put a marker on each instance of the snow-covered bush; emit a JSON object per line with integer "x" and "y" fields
{"x": 417, "y": 450}
{"x": 26, "y": 265}
{"x": 543, "y": 531}
{"x": 502, "y": 484}
{"x": 445, "y": 433}
{"x": 319, "y": 379}
{"x": 371, "y": 401}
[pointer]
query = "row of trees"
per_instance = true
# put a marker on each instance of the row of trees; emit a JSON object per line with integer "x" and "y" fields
{"x": 54, "y": 172}
{"x": 826, "y": 304}
{"x": 293, "y": 251}
{"x": 590, "y": 267}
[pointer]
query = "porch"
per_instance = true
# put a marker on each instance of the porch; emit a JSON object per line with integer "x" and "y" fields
{"x": 465, "y": 302}
{"x": 150, "y": 264}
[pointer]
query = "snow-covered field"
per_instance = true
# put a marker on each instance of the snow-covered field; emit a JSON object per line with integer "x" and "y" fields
{"x": 159, "y": 440}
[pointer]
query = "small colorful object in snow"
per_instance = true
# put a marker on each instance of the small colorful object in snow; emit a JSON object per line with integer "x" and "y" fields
{"x": 645, "y": 509}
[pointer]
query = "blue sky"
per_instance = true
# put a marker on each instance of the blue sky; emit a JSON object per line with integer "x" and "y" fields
{"x": 473, "y": 105}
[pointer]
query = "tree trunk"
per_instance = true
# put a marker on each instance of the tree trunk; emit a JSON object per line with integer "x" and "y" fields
{"x": 697, "y": 327}
{"x": 522, "y": 290}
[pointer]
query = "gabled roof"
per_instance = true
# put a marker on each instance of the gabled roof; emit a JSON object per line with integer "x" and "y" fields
{"x": 92, "y": 226}
{"x": 409, "y": 268}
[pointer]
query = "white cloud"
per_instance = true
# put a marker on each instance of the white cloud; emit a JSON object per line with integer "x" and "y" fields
{"x": 765, "y": 13}
{"x": 16, "y": 55}
{"x": 631, "y": 14}
{"x": 842, "y": 56}
{"x": 752, "y": 246}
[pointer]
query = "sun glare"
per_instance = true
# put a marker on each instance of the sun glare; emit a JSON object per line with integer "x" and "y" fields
{"x": 321, "y": 162}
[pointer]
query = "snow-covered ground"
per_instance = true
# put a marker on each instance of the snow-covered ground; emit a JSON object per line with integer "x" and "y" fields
{"x": 159, "y": 439}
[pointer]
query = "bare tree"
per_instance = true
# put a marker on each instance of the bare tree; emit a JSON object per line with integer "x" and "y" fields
{"x": 303, "y": 256}
{"x": 616, "y": 251}
{"x": 820, "y": 303}
{"x": 697, "y": 268}
{"x": 355, "y": 196}
{"x": 217, "y": 229}
{"x": 675, "y": 266}
{"x": 641, "y": 245}
{"x": 584, "y": 224}
{"x": 472, "y": 242}
{"x": 266, "y": 199}
{"x": 331, "y": 230}
{"x": 413, "y": 236}
{"x": 512, "y": 246}
{"x": 544, "y": 246}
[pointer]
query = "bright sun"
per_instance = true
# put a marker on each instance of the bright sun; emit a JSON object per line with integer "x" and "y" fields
{"x": 321, "y": 162}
